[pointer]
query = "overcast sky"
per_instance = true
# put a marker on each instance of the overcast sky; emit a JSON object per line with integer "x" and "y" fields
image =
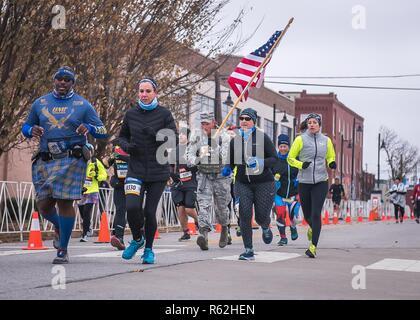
{"x": 322, "y": 41}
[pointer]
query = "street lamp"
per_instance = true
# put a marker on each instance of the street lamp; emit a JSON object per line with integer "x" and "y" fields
{"x": 380, "y": 146}
{"x": 349, "y": 146}
{"x": 284, "y": 120}
{"x": 229, "y": 102}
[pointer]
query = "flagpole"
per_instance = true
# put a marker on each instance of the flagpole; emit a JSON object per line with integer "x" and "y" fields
{"x": 262, "y": 65}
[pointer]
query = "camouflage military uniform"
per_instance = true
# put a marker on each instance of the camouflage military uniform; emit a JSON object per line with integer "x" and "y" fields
{"x": 210, "y": 156}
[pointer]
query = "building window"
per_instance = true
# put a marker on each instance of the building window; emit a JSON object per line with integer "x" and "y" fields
{"x": 286, "y": 130}
{"x": 339, "y": 125}
{"x": 258, "y": 121}
{"x": 268, "y": 128}
{"x": 234, "y": 117}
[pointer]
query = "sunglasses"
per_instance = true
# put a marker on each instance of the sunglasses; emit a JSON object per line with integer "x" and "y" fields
{"x": 66, "y": 79}
{"x": 245, "y": 118}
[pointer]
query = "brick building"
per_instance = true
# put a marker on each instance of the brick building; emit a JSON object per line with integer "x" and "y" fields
{"x": 344, "y": 127}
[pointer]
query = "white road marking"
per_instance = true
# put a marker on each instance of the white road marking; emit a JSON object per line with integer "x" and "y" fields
{"x": 264, "y": 257}
{"x": 117, "y": 254}
{"x": 19, "y": 252}
{"x": 396, "y": 265}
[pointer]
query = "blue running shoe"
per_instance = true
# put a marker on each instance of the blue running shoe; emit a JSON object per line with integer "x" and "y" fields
{"x": 267, "y": 235}
{"x": 148, "y": 256}
{"x": 131, "y": 250}
{"x": 247, "y": 255}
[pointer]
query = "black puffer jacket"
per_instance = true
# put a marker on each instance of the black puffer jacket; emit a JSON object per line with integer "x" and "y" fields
{"x": 138, "y": 138}
{"x": 242, "y": 150}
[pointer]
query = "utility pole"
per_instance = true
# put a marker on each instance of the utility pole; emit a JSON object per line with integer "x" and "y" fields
{"x": 274, "y": 124}
{"x": 217, "y": 99}
{"x": 352, "y": 159}
{"x": 379, "y": 160}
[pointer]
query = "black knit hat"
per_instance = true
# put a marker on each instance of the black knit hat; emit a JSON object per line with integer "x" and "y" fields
{"x": 283, "y": 139}
{"x": 250, "y": 113}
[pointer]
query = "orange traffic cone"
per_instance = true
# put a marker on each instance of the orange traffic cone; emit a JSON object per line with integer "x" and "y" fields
{"x": 326, "y": 217}
{"x": 383, "y": 217}
{"x": 35, "y": 237}
{"x": 192, "y": 228}
{"x": 104, "y": 234}
{"x": 348, "y": 216}
{"x": 218, "y": 228}
{"x": 335, "y": 217}
{"x": 157, "y": 235}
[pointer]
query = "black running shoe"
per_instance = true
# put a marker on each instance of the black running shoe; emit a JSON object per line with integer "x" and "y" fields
{"x": 186, "y": 236}
{"x": 267, "y": 235}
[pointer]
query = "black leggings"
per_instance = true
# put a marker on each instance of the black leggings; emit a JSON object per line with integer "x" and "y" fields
{"x": 398, "y": 209}
{"x": 120, "y": 212}
{"x": 261, "y": 196}
{"x": 139, "y": 217}
{"x": 86, "y": 214}
{"x": 312, "y": 197}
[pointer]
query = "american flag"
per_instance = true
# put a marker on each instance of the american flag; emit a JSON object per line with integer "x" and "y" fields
{"x": 243, "y": 73}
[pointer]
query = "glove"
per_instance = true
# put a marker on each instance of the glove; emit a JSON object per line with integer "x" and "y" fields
{"x": 226, "y": 171}
{"x": 306, "y": 164}
{"x": 277, "y": 176}
{"x": 253, "y": 162}
{"x": 333, "y": 165}
{"x": 149, "y": 131}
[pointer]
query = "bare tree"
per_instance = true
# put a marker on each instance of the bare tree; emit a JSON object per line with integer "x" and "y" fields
{"x": 111, "y": 45}
{"x": 402, "y": 157}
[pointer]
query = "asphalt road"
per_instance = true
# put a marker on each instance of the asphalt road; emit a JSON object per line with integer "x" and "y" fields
{"x": 353, "y": 262}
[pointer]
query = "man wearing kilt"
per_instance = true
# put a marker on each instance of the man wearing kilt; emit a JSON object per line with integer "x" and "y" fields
{"x": 61, "y": 121}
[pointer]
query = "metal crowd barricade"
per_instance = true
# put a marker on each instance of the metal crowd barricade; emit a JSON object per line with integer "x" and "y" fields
{"x": 17, "y": 202}
{"x": 10, "y": 208}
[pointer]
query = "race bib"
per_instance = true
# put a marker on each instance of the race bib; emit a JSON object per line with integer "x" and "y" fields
{"x": 185, "y": 176}
{"x": 88, "y": 183}
{"x": 132, "y": 186}
{"x": 122, "y": 169}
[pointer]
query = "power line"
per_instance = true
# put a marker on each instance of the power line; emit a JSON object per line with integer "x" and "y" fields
{"x": 347, "y": 77}
{"x": 340, "y": 86}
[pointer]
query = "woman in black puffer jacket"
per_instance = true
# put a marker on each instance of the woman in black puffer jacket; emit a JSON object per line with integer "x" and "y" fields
{"x": 139, "y": 137}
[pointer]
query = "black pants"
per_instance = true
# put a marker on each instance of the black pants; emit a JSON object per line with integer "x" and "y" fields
{"x": 139, "y": 217}
{"x": 417, "y": 209}
{"x": 120, "y": 212}
{"x": 398, "y": 209}
{"x": 86, "y": 214}
{"x": 312, "y": 197}
{"x": 259, "y": 195}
